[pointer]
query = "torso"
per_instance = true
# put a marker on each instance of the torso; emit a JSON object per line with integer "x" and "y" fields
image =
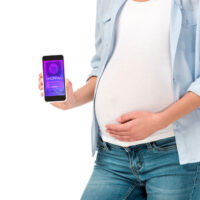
{"x": 138, "y": 75}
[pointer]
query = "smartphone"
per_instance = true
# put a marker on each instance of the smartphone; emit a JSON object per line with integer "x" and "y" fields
{"x": 54, "y": 78}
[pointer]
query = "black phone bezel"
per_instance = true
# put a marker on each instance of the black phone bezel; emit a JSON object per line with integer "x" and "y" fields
{"x": 59, "y": 97}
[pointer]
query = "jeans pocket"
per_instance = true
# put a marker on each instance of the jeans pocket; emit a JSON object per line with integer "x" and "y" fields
{"x": 101, "y": 146}
{"x": 165, "y": 144}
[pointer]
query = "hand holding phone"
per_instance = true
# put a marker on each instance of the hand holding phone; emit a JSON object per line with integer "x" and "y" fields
{"x": 64, "y": 105}
{"x": 54, "y": 78}
{"x": 69, "y": 103}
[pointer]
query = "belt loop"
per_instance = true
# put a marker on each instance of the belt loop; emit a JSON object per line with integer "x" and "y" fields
{"x": 149, "y": 145}
{"x": 106, "y": 146}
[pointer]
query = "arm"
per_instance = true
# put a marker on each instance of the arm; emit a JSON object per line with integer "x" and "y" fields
{"x": 74, "y": 99}
{"x": 96, "y": 59}
{"x": 81, "y": 96}
{"x": 191, "y": 100}
{"x": 85, "y": 94}
{"x": 139, "y": 125}
{"x": 188, "y": 103}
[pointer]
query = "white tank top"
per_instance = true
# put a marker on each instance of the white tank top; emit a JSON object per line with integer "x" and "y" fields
{"x": 138, "y": 76}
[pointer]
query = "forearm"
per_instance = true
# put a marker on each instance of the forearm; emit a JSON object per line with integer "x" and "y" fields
{"x": 85, "y": 94}
{"x": 186, "y": 104}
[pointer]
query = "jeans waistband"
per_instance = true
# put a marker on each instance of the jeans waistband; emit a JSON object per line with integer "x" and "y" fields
{"x": 148, "y": 145}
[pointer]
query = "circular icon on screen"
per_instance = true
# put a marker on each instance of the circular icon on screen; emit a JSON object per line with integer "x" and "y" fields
{"x": 53, "y": 68}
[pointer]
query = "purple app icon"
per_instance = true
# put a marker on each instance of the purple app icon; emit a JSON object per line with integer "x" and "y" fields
{"x": 53, "y": 69}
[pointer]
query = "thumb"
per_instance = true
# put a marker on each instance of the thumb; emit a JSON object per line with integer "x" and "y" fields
{"x": 69, "y": 88}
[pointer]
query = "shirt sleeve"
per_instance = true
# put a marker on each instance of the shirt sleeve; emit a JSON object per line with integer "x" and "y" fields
{"x": 95, "y": 61}
{"x": 195, "y": 87}
{"x": 188, "y": 4}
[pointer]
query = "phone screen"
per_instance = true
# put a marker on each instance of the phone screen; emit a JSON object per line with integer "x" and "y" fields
{"x": 54, "y": 78}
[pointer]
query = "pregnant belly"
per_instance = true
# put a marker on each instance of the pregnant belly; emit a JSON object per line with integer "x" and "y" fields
{"x": 122, "y": 91}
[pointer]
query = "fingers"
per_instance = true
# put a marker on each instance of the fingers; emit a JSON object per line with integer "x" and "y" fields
{"x": 127, "y": 117}
{"x": 40, "y": 75}
{"x": 119, "y": 127}
{"x": 125, "y": 139}
{"x": 40, "y": 79}
{"x": 117, "y": 133}
{"x": 40, "y": 85}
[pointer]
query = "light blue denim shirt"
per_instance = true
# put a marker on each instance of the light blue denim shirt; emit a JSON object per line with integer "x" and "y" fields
{"x": 185, "y": 60}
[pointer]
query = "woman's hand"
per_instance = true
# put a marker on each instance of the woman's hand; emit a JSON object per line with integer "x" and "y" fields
{"x": 70, "y": 100}
{"x": 135, "y": 126}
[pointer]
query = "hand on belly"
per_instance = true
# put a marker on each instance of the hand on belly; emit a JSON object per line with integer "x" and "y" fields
{"x": 135, "y": 126}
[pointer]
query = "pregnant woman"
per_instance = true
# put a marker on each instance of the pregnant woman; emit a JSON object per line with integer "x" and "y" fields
{"x": 145, "y": 83}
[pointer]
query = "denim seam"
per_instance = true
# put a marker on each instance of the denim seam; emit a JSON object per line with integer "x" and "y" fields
{"x": 132, "y": 168}
{"x": 131, "y": 188}
{"x": 139, "y": 160}
{"x": 119, "y": 147}
{"x": 164, "y": 148}
{"x": 195, "y": 179}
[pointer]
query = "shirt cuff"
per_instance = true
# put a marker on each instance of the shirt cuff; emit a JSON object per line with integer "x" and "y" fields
{"x": 93, "y": 73}
{"x": 195, "y": 87}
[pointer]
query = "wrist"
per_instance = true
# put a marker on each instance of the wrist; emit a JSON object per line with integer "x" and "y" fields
{"x": 75, "y": 99}
{"x": 70, "y": 103}
{"x": 162, "y": 119}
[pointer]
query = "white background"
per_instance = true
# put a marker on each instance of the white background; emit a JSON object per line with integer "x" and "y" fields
{"x": 45, "y": 153}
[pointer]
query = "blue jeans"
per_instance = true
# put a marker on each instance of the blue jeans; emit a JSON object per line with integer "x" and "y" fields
{"x": 144, "y": 171}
